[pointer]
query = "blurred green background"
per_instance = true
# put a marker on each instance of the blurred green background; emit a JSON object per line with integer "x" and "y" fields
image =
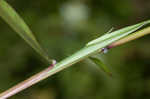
{"x": 63, "y": 27}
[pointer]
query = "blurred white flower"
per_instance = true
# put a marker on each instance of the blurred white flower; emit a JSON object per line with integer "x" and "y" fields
{"x": 74, "y": 13}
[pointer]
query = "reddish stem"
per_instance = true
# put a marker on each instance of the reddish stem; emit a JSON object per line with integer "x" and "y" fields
{"x": 27, "y": 83}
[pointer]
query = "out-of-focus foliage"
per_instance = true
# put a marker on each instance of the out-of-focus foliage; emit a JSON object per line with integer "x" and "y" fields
{"x": 63, "y": 27}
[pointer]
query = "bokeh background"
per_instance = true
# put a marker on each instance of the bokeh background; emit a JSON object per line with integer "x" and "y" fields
{"x": 64, "y": 26}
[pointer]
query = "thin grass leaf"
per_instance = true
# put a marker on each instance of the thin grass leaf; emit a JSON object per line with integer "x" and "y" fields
{"x": 100, "y": 64}
{"x": 126, "y": 30}
{"x": 95, "y": 48}
{"x": 16, "y": 22}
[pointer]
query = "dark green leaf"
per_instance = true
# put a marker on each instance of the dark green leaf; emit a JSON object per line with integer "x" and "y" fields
{"x": 98, "y": 62}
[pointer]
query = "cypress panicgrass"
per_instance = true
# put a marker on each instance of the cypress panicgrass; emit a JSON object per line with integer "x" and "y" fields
{"x": 101, "y": 44}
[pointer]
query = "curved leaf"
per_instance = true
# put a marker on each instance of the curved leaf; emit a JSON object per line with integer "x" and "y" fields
{"x": 16, "y": 22}
{"x": 98, "y": 62}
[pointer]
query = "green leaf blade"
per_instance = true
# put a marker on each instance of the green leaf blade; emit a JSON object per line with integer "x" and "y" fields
{"x": 100, "y": 64}
{"x": 127, "y": 30}
{"x": 17, "y": 24}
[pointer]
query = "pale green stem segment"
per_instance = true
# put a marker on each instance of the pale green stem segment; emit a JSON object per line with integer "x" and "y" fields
{"x": 16, "y": 22}
{"x": 131, "y": 37}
